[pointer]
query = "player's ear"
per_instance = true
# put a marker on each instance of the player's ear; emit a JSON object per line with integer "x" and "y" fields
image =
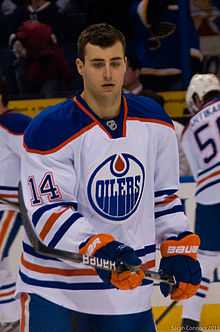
{"x": 79, "y": 66}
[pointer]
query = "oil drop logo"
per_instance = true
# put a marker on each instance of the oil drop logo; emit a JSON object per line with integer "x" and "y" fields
{"x": 116, "y": 186}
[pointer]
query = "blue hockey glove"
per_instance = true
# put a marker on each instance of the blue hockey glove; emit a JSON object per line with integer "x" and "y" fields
{"x": 179, "y": 259}
{"x": 105, "y": 246}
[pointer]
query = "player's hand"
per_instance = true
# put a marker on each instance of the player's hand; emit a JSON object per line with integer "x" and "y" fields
{"x": 179, "y": 259}
{"x": 105, "y": 246}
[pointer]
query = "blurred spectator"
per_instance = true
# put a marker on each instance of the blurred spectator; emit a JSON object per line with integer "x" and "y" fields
{"x": 67, "y": 18}
{"x": 63, "y": 5}
{"x": 132, "y": 83}
{"x": 7, "y": 8}
{"x": 39, "y": 10}
{"x": 41, "y": 67}
{"x": 206, "y": 15}
{"x": 157, "y": 45}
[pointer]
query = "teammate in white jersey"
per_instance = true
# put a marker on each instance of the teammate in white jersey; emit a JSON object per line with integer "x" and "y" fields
{"x": 202, "y": 148}
{"x": 12, "y": 127}
{"x": 100, "y": 177}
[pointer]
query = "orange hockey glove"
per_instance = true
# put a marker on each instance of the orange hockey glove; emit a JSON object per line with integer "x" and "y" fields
{"x": 105, "y": 246}
{"x": 179, "y": 259}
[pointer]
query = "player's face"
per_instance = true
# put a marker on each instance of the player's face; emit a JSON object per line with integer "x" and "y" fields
{"x": 103, "y": 70}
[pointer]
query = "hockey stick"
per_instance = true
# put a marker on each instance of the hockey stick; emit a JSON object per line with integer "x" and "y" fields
{"x": 92, "y": 261}
{"x": 165, "y": 312}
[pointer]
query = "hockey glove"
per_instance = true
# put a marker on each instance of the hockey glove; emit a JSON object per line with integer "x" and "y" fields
{"x": 179, "y": 259}
{"x": 105, "y": 246}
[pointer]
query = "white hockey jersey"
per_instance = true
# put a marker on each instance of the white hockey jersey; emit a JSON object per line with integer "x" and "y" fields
{"x": 12, "y": 126}
{"x": 201, "y": 145}
{"x": 83, "y": 176}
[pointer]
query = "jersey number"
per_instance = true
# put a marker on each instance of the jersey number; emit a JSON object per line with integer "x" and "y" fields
{"x": 210, "y": 142}
{"x": 47, "y": 187}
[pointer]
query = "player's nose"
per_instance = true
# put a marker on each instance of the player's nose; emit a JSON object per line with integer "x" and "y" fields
{"x": 107, "y": 72}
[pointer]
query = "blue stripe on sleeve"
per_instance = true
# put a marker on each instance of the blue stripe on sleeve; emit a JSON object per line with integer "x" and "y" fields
{"x": 37, "y": 214}
{"x": 12, "y": 235}
{"x": 200, "y": 294}
{"x": 64, "y": 228}
{"x": 165, "y": 192}
{"x": 207, "y": 186}
{"x": 7, "y": 301}
{"x": 208, "y": 169}
{"x": 176, "y": 208}
{"x": 146, "y": 250}
{"x": 8, "y": 188}
{"x": 71, "y": 286}
{"x": 206, "y": 280}
{"x": 29, "y": 250}
{"x": 7, "y": 286}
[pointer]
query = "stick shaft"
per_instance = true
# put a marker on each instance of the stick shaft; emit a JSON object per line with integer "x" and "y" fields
{"x": 165, "y": 312}
{"x": 92, "y": 261}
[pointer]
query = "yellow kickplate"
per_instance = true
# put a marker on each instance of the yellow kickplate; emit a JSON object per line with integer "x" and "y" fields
{"x": 210, "y": 320}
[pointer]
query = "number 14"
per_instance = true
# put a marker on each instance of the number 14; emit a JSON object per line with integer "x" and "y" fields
{"x": 47, "y": 187}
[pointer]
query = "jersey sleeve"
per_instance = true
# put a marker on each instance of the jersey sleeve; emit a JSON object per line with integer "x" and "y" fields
{"x": 49, "y": 189}
{"x": 169, "y": 215}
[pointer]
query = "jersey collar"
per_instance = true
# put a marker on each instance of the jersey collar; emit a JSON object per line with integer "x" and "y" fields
{"x": 120, "y": 120}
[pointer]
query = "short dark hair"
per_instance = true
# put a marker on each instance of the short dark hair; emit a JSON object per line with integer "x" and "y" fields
{"x": 4, "y": 92}
{"x": 102, "y": 34}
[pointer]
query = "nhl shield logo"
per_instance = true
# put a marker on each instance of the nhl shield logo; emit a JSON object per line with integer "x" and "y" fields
{"x": 116, "y": 186}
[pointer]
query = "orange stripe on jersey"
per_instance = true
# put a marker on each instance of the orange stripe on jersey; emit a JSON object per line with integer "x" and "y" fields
{"x": 23, "y": 322}
{"x": 208, "y": 177}
{"x": 90, "y": 115}
{"x": 50, "y": 222}
{"x": 6, "y": 224}
{"x": 167, "y": 200}
{"x": 70, "y": 273}
{"x": 7, "y": 293}
{"x": 149, "y": 264}
{"x": 8, "y": 196}
{"x": 60, "y": 146}
{"x": 56, "y": 271}
{"x": 131, "y": 118}
{"x": 204, "y": 287}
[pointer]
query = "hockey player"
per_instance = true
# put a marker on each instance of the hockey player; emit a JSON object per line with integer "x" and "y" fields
{"x": 202, "y": 148}
{"x": 100, "y": 177}
{"x": 12, "y": 127}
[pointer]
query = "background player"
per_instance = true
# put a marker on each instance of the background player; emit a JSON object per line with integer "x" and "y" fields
{"x": 202, "y": 148}
{"x": 95, "y": 167}
{"x": 12, "y": 126}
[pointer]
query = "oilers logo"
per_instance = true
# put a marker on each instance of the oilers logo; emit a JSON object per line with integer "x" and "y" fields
{"x": 115, "y": 187}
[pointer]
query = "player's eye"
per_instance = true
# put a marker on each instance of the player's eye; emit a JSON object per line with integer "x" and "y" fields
{"x": 98, "y": 64}
{"x": 116, "y": 64}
